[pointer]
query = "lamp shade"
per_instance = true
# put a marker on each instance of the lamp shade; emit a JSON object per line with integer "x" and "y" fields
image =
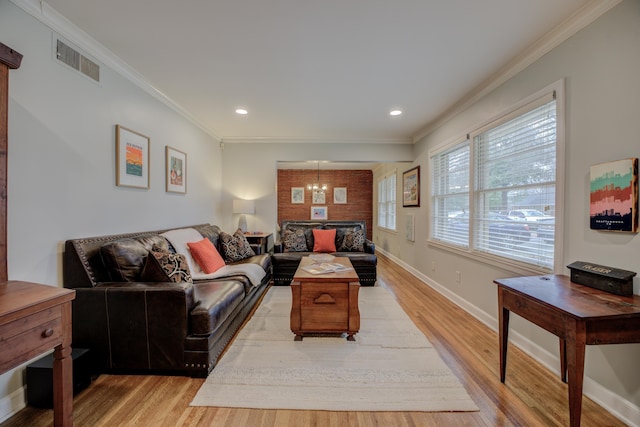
{"x": 241, "y": 206}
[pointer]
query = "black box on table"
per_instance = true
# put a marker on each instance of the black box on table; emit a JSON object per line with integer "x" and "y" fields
{"x": 609, "y": 279}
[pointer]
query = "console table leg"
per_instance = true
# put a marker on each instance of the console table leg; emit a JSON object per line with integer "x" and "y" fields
{"x": 575, "y": 349}
{"x": 563, "y": 360}
{"x": 503, "y": 327}
{"x": 63, "y": 375}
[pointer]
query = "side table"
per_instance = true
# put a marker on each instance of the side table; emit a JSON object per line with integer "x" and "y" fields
{"x": 33, "y": 319}
{"x": 264, "y": 241}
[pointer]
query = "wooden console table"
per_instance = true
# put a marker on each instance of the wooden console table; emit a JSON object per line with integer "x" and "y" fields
{"x": 577, "y": 314}
{"x": 325, "y": 303}
{"x": 33, "y": 319}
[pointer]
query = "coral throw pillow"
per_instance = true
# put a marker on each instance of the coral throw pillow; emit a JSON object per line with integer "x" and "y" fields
{"x": 324, "y": 240}
{"x": 206, "y": 255}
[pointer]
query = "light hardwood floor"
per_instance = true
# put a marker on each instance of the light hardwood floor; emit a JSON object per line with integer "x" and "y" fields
{"x": 532, "y": 395}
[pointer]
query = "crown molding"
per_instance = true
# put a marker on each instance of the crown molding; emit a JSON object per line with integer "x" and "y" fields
{"x": 576, "y": 22}
{"x": 62, "y": 26}
{"x": 312, "y": 140}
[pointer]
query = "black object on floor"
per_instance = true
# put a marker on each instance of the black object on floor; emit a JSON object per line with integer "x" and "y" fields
{"x": 40, "y": 377}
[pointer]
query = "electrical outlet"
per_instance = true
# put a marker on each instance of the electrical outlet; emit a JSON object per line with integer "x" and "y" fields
{"x": 458, "y": 276}
{"x": 433, "y": 266}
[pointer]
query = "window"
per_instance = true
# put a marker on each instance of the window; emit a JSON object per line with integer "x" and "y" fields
{"x": 387, "y": 201}
{"x": 450, "y": 195}
{"x": 494, "y": 193}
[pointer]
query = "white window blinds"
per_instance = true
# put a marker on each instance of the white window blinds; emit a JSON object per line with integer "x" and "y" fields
{"x": 494, "y": 194}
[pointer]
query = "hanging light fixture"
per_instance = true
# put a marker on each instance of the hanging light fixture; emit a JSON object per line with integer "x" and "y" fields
{"x": 316, "y": 186}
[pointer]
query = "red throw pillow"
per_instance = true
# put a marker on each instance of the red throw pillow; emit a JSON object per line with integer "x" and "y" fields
{"x": 206, "y": 255}
{"x": 324, "y": 240}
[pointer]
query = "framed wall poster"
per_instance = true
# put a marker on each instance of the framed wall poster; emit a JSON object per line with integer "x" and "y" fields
{"x": 340, "y": 195}
{"x": 132, "y": 158}
{"x": 614, "y": 196}
{"x": 411, "y": 187}
{"x": 297, "y": 195}
{"x": 176, "y": 170}
{"x": 318, "y": 197}
{"x": 318, "y": 212}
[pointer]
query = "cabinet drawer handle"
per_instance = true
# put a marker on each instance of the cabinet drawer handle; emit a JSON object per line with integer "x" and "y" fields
{"x": 47, "y": 333}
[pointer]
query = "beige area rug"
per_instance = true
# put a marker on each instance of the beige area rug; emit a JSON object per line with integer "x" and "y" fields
{"x": 390, "y": 367}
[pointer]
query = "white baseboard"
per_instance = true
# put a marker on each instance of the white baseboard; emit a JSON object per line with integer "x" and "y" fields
{"x": 619, "y": 407}
{"x": 11, "y": 404}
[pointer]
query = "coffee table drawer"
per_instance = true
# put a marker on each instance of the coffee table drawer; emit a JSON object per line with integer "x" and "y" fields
{"x": 325, "y": 307}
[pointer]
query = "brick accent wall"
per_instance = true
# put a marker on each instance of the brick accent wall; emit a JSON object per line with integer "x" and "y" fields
{"x": 359, "y": 185}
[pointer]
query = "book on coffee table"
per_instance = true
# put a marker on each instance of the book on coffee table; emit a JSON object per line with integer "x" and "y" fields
{"x": 326, "y": 267}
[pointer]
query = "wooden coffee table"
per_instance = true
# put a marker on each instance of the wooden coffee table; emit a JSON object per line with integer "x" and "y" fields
{"x": 325, "y": 303}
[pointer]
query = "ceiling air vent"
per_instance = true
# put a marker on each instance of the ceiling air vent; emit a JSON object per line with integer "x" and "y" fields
{"x": 77, "y": 61}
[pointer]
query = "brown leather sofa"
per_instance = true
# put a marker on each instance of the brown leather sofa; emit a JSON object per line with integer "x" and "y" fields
{"x": 286, "y": 257}
{"x": 166, "y": 327}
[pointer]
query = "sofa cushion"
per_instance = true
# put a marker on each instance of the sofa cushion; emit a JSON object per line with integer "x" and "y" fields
{"x": 153, "y": 240}
{"x": 324, "y": 240}
{"x": 352, "y": 241}
{"x": 215, "y": 301}
{"x": 235, "y": 247}
{"x": 206, "y": 255}
{"x": 164, "y": 266}
{"x": 124, "y": 259}
{"x": 211, "y": 232}
{"x": 295, "y": 241}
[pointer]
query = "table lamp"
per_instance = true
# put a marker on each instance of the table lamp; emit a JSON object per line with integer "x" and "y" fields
{"x": 243, "y": 207}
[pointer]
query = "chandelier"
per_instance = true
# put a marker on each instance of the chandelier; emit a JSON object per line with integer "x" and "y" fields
{"x": 316, "y": 186}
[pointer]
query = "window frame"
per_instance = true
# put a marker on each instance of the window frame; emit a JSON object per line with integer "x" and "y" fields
{"x": 389, "y": 204}
{"x": 469, "y": 250}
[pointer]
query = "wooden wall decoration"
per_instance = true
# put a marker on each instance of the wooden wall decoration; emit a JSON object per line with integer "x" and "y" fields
{"x": 9, "y": 60}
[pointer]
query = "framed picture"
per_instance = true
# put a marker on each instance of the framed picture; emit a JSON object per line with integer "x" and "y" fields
{"x": 318, "y": 197}
{"x": 297, "y": 195}
{"x": 614, "y": 196}
{"x": 340, "y": 195}
{"x": 411, "y": 187}
{"x": 318, "y": 212}
{"x": 176, "y": 170}
{"x": 132, "y": 158}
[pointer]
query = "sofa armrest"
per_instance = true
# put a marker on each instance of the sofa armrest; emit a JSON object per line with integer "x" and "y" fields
{"x": 129, "y": 325}
{"x": 369, "y": 246}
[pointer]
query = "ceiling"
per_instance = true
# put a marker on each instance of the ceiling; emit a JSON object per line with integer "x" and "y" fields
{"x": 328, "y": 70}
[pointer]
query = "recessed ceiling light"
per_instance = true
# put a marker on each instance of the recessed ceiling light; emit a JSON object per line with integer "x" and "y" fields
{"x": 395, "y": 112}
{"x": 241, "y": 111}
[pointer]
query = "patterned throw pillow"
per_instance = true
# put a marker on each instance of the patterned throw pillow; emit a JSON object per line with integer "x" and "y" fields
{"x": 164, "y": 266}
{"x": 235, "y": 247}
{"x": 295, "y": 241}
{"x": 353, "y": 242}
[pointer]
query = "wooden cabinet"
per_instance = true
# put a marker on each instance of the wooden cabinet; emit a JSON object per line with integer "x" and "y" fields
{"x": 325, "y": 303}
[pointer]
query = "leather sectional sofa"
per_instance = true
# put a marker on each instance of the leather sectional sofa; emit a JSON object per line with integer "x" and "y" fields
{"x": 296, "y": 240}
{"x": 131, "y": 323}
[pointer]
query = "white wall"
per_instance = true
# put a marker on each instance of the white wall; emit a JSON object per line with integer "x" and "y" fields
{"x": 600, "y": 66}
{"x": 61, "y": 178}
